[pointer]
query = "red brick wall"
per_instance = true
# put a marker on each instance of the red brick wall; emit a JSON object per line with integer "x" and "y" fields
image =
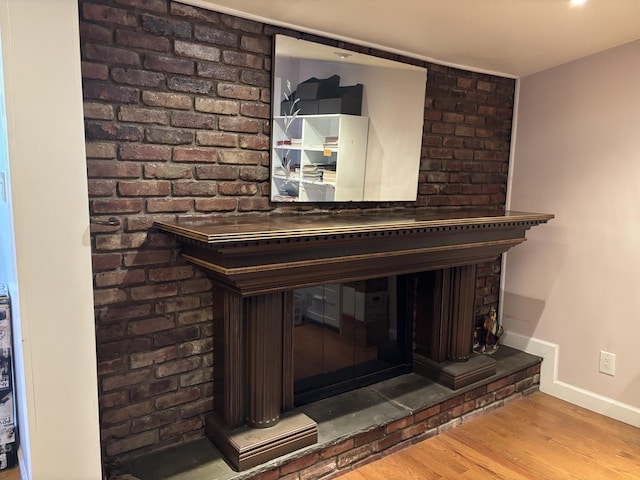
{"x": 177, "y": 103}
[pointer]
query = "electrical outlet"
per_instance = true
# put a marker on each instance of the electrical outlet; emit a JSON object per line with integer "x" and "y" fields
{"x": 608, "y": 363}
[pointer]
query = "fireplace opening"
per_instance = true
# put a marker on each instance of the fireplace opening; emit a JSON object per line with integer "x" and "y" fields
{"x": 350, "y": 335}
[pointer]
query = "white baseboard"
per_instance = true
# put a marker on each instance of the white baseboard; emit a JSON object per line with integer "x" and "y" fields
{"x": 550, "y": 384}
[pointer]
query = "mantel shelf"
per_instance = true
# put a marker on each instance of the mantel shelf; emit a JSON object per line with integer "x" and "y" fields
{"x": 259, "y": 254}
{"x": 261, "y": 228}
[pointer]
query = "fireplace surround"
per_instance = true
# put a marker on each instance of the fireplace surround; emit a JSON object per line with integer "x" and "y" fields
{"x": 256, "y": 262}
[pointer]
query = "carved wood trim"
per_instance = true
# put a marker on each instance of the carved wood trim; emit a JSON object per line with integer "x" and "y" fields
{"x": 229, "y": 356}
{"x": 264, "y": 359}
{"x": 432, "y": 314}
{"x": 285, "y": 276}
{"x": 287, "y": 227}
{"x": 255, "y": 255}
{"x": 287, "y": 351}
{"x": 462, "y": 301}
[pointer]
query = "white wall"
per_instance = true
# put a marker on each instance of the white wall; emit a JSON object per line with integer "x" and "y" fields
{"x": 58, "y": 383}
{"x": 572, "y": 288}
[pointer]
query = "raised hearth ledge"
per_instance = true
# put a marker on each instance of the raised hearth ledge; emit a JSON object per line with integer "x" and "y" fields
{"x": 355, "y": 415}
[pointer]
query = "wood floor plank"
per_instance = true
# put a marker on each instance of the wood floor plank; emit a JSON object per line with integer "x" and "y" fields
{"x": 538, "y": 437}
{"x": 595, "y": 436}
{"x": 548, "y": 453}
{"x": 474, "y": 464}
{"x": 526, "y": 451}
{"x": 360, "y": 474}
{"x": 10, "y": 474}
{"x": 490, "y": 464}
{"x": 399, "y": 466}
{"x": 451, "y": 462}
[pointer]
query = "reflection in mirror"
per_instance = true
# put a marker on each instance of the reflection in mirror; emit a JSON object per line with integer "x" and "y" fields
{"x": 345, "y": 126}
{"x": 348, "y": 335}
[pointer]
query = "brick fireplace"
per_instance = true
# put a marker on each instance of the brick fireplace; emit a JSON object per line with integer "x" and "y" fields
{"x": 176, "y": 107}
{"x": 256, "y": 262}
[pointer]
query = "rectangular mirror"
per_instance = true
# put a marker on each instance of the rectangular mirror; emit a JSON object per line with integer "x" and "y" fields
{"x": 346, "y": 127}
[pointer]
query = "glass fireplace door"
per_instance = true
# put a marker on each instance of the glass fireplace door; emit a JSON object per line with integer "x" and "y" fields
{"x": 346, "y": 336}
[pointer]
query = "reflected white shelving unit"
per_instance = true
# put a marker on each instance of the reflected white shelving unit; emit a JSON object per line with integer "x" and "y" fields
{"x": 319, "y": 158}
{"x": 322, "y": 304}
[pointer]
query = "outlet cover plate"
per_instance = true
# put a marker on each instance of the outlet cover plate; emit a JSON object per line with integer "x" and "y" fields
{"x": 608, "y": 363}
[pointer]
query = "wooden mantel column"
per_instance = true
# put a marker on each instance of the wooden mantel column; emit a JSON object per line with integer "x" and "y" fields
{"x": 256, "y": 262}
{"x": 249, "y": 336}
{"x": 252, "y": 353}
{"x": 444, "y": 328}
{"x": 462, "y": 300}
{"x": 264, "y": 359}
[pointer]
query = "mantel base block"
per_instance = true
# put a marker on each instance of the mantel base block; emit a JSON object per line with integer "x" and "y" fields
{"x": 455, "y": 375}
{"x": 247, "y": 447}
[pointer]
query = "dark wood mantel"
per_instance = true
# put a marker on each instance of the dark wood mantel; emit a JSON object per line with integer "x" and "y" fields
{"x": 258, "y": 254}
{"x": 256, "y": 262}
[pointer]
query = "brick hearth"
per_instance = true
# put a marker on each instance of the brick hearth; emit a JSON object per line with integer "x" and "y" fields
{"x": 359, "y": 427}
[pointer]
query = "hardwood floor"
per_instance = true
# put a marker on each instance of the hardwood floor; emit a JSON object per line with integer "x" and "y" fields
{"x": 10, "y": 474}
{"x": 537, "y": 437}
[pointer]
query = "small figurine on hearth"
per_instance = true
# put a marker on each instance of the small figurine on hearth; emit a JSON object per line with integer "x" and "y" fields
{"x": 492, "y": 331}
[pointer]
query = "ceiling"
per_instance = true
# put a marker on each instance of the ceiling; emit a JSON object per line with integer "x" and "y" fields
{"x": 508, "y": 37}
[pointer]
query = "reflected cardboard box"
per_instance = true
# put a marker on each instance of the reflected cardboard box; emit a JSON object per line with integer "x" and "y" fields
{"x": 347, "y": 102}
{"x": 315, "y": 88}
{"x": 324, "y": 96}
